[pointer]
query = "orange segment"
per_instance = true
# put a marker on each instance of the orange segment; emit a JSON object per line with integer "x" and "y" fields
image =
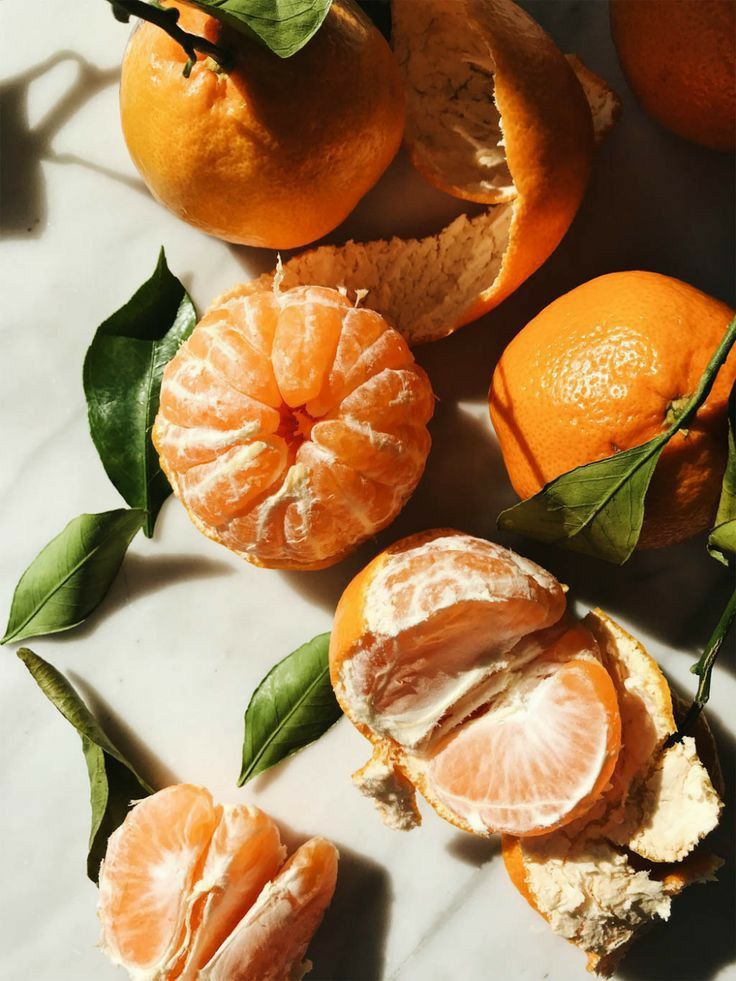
{"x": 307, "y": 334}
{"x": 152, "y": 862}
{"x": 271, "y": 939}
{"x": 244, "y": 855}
{"x": 225, "y": 487}
{"x": 540, "y": 755}
{"x": 292, "y": 425}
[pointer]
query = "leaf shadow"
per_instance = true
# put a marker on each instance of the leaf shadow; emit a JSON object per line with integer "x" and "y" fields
{"x": 22, "y": 148}
{"x": 147, "y": 763}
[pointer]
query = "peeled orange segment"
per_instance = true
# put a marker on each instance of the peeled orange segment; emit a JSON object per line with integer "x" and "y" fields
{"x": 430, "y": 620}
{"x": 271, "y": 393}
{"x": 542, "y": 753}
{"x": 245, "y": 853}
{"x": 270, "y": 941}
{"x": 494, "y": 114}
{"x": 225, "y": 487}
{"x": 152, "y": 863}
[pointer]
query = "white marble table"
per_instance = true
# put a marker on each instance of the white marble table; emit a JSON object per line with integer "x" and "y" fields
{"x": 188, "y": 630}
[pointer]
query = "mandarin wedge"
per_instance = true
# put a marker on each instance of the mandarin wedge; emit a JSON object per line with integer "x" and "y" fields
{"x": 293, "y": 425}
{"x": 268, "y": 151}
{"x": 600, "y": 881}
{"x": 472, "y": 70}
{"x": 192, "y": 890}
{"x": 605, "y": 368}
{"x": 455, "y": 658}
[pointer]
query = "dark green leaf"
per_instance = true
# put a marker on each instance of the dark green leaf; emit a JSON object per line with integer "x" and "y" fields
{"x": 292, "y": 706}
{"x": 704, "y": 667}
{"x": 283, "y": 26}
{"x": 722, "y": 540}
{"x": 70, "y": 576}
{"x": 113, "y": 782}
{"x": 122, "y": 382}
{"x": 599, "y": 508}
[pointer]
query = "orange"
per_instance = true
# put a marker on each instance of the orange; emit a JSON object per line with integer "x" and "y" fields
{"x": 474, "y": 70}
{"x": 604, "y": 368}
{"x": 293, "y": 425}
{"x": 186, "y": 883}
{"x": 272, "y": 152}
{"x": 680, "y": 59}
{"x": 453, "y": 656}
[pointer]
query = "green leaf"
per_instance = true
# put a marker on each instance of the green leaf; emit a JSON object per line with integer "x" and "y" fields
{"x": 703, "y": 668}
{"x": 283, "y": 26}
{"x": 69, "y": 578}
{"x": 598, "y": 508}
{"x": 122, "y": 383}
{"x": 292, "y": 706}
{"x": 722, "y": 539}
{"x": 113, "y": 782}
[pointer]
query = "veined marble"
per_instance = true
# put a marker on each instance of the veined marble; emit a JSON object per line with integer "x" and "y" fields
{"x": 188, "y": 630}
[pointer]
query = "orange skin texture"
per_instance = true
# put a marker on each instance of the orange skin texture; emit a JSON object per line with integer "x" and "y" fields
{"x": 275, "y": 152}
{"x": 680, "y": 59}
{"x": 548, "y": 134}
{"x": 597, "y": 371}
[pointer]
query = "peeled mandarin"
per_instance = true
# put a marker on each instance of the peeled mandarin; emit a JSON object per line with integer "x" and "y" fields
{"x": 293, "y": 425}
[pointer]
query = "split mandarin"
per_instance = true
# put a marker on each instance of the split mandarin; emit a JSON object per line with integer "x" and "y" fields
{"x": 185, "y": 882}
{"x": 472, "y": 72}
{"x": 271, "y": 152}
{"x": 292, "y": 425}
{"x": 680, "y": 59}
{"x": 454, "y": 657}
{"x": 605, "y": 368}
{"x": 600, "y": 881}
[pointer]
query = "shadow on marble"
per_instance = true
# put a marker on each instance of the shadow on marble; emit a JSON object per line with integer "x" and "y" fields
{"x": 472, "y": 850}
{"x": 150, "y": 766}
{"x": 23, "y": 211}
{"x": 350, "y": 944}
{"x": 699, "y": 940}
{"x": 142, "y": 575}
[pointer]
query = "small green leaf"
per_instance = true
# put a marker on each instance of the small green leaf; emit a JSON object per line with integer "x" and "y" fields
{"x": 113, "y": 782}
{"x": 122, "y": 383}
{"x": 70, "y": 577}
{"x": 598, "y": 508}
{"x": 292, "y": 706}
{"x": 283, "y": 26}
{"x": 722, "y": 539}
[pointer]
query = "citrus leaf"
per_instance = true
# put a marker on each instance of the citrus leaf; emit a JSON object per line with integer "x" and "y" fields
{"x": 122, "y": 383}
{"x": 113, "y": 782}
{"x": 722, "y": 539}
{"x": 69, "y": 578}
{"x": 292, "y": 706}
{"x": 598, "y": 508}
{"x": 283, "y": 26}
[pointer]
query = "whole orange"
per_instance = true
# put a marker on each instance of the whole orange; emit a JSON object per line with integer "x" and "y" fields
{"x": 680, "y": 59}
{"x": 272, "y": 152}
{"x": 606, "y": 367}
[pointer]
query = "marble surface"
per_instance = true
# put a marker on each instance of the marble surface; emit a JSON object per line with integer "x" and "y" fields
{"x": 170, "y": 660}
